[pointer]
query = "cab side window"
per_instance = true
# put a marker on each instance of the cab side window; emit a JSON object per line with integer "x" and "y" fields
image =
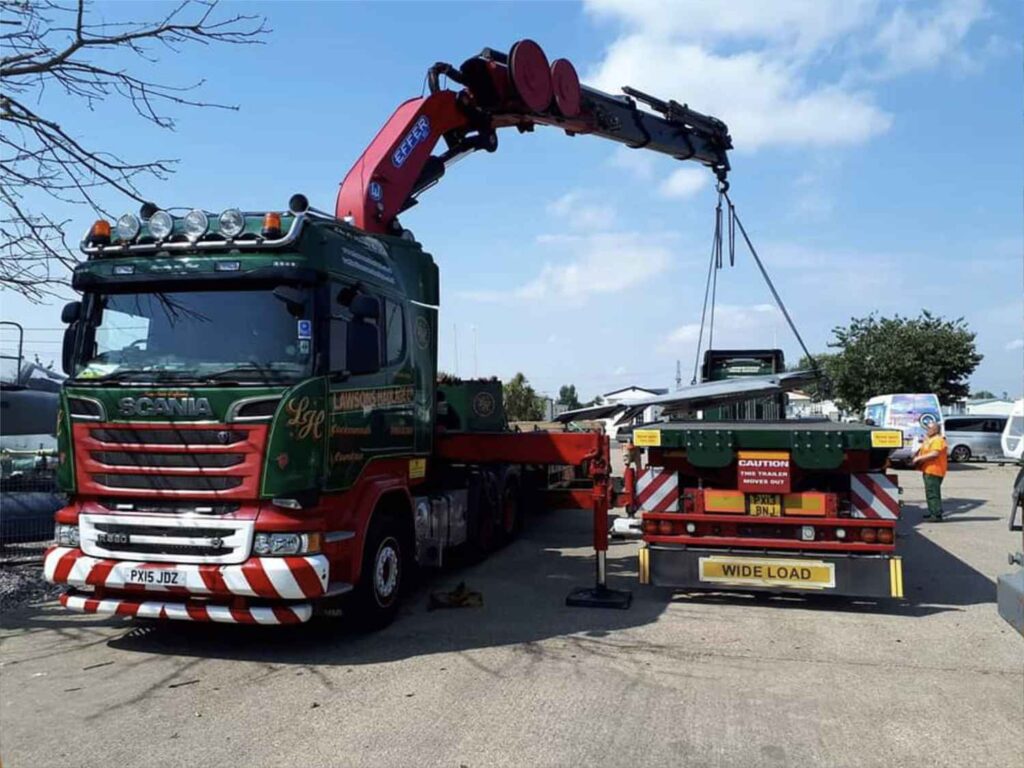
{"x": 338, "y": 330}
{"x": 394, "y": 327}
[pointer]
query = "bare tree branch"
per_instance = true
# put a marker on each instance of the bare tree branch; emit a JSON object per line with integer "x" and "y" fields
{"x": 51, "y": 43}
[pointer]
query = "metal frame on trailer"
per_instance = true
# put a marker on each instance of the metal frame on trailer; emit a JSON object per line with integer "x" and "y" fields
{"x": 588, "y": 450}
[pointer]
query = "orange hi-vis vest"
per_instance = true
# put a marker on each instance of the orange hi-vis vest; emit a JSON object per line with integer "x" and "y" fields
{"x": 940, "y": 463}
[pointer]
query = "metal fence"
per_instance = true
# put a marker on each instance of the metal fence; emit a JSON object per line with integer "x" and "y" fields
{"x": 27, "y": 505}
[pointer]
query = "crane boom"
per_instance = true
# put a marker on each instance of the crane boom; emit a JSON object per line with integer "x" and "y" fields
{"x": 519, "y": 89}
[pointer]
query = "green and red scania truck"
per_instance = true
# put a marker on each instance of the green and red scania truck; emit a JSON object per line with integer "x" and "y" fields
{"x": 253, "y": 426}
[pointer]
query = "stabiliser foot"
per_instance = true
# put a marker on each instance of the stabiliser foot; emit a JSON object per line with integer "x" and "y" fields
{"x": 599, "y": 597}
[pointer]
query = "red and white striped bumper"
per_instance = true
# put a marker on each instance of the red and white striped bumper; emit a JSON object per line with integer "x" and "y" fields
{"x": 271, "y": 578}
{"x": 188, "y": 610}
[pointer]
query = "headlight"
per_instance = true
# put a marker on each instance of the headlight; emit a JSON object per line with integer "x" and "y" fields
{"x": 128, "y": 227}
{"x": 281, "y": 544}
{"x": 196, "y": 223}
{"x": 231, "y": 223}
{"x": 161, "y": 225}
{"x": 66, "y": 535}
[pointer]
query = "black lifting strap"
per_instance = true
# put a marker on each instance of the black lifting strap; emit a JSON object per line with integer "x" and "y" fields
{"x": 711, "y": 285}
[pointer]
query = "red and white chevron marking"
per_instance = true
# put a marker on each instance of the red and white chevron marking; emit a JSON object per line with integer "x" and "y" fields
{"x": 296, "y": 613}
{"x": 657, "y": 490}
{"x": 874, "y": 496}
{"x": 277, "y": 578}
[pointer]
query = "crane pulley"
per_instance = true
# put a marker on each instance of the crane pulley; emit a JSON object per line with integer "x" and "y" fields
{"x": 519, "y": 89}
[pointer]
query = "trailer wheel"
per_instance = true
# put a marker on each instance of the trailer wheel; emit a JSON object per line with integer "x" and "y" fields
{"x": 960, "y": 453}
{"x": 375, "y": 600}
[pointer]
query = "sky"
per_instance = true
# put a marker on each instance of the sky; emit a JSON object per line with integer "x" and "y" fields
{"x": 877, "y": 167}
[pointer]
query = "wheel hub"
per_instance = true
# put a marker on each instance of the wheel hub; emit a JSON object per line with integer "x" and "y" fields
{"x": 386, "y": 571}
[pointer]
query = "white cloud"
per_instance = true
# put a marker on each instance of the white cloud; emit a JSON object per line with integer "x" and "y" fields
{"x": 1015, "y": 344}
{"x": 684, "y": 182}
{"x": 762, "y": 97}
{"x": 638, "y": 163}
{"x": 597, "y": 264}
{"x": 761, "y": 66}
{"x": 579, "y": 211}
{"x": 733, "y": 323}
{"x": 912, "y": 41}
{"x": 620, "y": 371}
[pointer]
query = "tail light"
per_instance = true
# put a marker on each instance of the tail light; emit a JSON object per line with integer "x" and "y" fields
{"x": 868, "y": 535}
{"x": 665, "y": 527}
{"x": 650, "y": 527}
{"x": 885, "y": 535}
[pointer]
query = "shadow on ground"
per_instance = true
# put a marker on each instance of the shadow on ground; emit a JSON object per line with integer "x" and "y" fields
{"x": 524, "y": 588}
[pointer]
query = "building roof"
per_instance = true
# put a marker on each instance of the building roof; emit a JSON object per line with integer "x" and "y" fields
{"x": 653, "y": 391}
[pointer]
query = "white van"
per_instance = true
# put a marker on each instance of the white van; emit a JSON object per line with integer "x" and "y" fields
{"x": 1013, "y": 433}
{"x": 912, "y": 414}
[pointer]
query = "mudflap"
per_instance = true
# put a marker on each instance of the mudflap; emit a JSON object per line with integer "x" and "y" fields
{"x": 685, "y": 567}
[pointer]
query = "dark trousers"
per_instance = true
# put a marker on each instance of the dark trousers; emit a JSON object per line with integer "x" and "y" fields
{"x": 933, "y": 494}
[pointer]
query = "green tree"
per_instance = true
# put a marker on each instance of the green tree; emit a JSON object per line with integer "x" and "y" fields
{"x": 567, "y": 396}
{"x": 822, "y": 389}
{"x": 521, "y": 401}
{"x": 983, "y": 394}
{"x": 883, "y": 355}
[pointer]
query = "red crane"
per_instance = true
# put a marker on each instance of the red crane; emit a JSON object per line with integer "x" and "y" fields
{"x": 519, "y": 89}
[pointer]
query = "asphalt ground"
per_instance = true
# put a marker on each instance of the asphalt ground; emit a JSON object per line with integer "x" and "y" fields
{"x": 679, "y": 679}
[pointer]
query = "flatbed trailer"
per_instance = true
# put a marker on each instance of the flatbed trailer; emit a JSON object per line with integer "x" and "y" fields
{"x": 784, "y": 506}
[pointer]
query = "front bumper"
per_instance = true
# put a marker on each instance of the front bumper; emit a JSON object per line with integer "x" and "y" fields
{"x": 685, "y": 567}
{"x": 187, "y": 610}
{"x": 202, "y": 592}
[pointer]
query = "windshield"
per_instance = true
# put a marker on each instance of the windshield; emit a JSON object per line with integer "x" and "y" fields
{"x": 245, "y": 335}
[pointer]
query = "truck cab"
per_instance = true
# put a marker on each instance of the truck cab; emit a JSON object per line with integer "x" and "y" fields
{"x": 244, "y": 392}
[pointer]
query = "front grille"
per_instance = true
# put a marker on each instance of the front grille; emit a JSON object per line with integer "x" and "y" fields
{"x": 167, "y": 482}
{"x": 168, "y": 436}
{"x": 143, "y": 459}
{"x": 129, "y": 536}
{"x": 187, "y": 459}
{"x": 150, "y": 507}
{"x": 154, "y": 530}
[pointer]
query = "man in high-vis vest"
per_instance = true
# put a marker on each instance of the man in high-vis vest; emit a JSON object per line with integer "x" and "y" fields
{"x": 931, "y": 459}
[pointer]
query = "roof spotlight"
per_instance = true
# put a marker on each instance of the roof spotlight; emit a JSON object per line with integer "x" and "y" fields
{"x": 231, "y": 223}
{"x": 196, "y": 223}
{"x": 161, "y": 225}
{"x": 127, "y": 227}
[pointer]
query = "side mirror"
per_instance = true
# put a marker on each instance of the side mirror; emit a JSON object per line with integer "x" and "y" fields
{"x": 67, "y": 355}
{"x": 365, "y": 307}
{"x": 362, "y": 354}
{"x": 71, "y": 312}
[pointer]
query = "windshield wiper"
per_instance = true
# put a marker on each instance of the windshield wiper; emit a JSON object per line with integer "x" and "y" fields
{"x": 266, "y": 373}
{"x": 113, "y": 377}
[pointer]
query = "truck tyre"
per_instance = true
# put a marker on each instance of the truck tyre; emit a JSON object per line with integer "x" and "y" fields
{"x": 510, "y": 515}
{"x": 481, "y": 533}
{"x": 375, "y": 600}
{"x": 960, "y": 453}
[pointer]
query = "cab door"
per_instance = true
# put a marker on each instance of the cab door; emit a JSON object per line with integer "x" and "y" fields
{"x": 371, "y": 393}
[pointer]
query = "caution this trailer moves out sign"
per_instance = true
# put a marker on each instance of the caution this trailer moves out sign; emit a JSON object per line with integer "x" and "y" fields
{"x": 763, "y": 472}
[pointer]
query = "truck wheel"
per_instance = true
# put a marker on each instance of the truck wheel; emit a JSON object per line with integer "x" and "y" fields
{"x": 511, "y": 513}
{"x": 375, "y": 599}
{"x": 481, "y": 533}
{"x": 960, "y": 453}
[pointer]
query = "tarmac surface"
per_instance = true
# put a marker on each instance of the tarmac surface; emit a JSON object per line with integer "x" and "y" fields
{"x": 678, "y": 679}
